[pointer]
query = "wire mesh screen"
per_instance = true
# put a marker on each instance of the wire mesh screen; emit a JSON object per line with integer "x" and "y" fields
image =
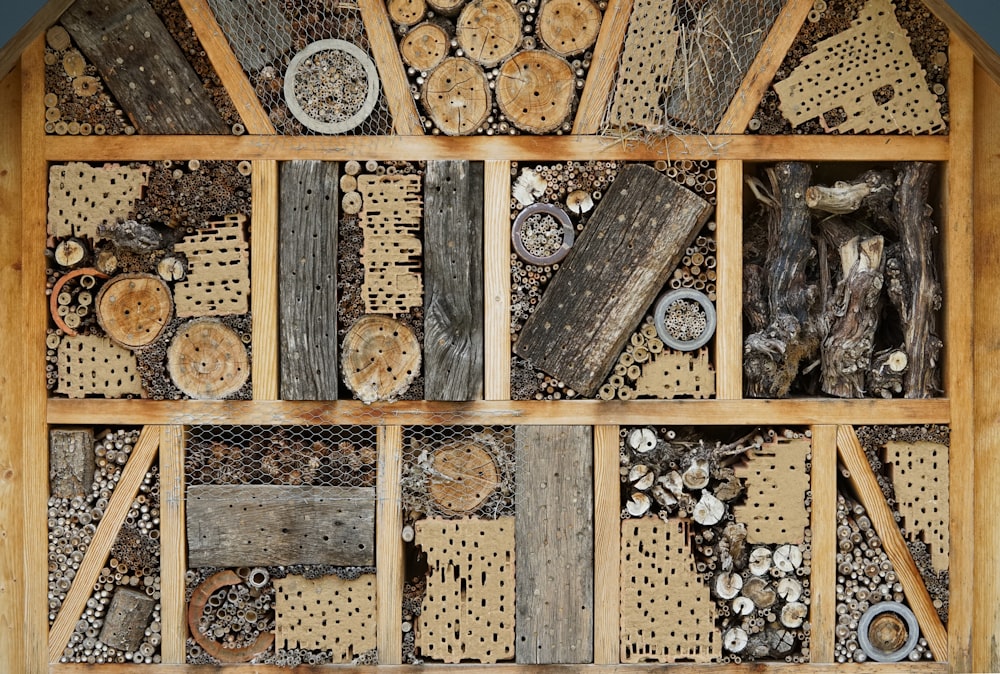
{"x": 335, "y": 87}
{"x": 458, "y": 471}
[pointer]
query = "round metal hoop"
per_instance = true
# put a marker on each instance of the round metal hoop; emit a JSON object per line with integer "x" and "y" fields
{"x": 569, "y": 234}
{"x": 371, "y": 97}
{"x": 660, "y": 313}
{"x": 912, "y": 628}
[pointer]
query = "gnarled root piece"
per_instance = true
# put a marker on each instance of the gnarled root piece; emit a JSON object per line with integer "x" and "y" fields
{"x": 197, "y": 606}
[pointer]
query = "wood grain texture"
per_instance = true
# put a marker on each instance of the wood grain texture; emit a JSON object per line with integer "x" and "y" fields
{"x": 957, "y": 243}
{"x": 866, "y": 488}
{"x": 554, "y": 539}
{"x": 142, "y": 66}
{"x": 496, "y": 280}
{"x": 173, "y": 542}
{"x": 269, "y": 525}
{"x": 228, "y": 68}
{"x": 389, "y": 562}
{"x": 264, "y": 279}
{"x": 22, "y": 40}
{"x": 729, "y": 281}
{"x": 758, "y": 78}
{"x": 633, "y": 241}
{"x": 986, "y": 617}
{"x": 607, "y": 546}
{"x": 604, "y": 64}
{"x": 13, "y": 467}
{"x": 823, "y": 610}
{"x": 453, "y": 284}
{"x": 139, "y": 463}
{"x": 307, "y": 280}
{"x": 395, "y": 86}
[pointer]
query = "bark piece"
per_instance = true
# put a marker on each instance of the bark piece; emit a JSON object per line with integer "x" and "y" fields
{"x": 457, "y": 96}
{"x": 489, "y": 31}
{"x": 265, "y": 525}
{"x": 771, "y": 356}
{"x": 307, "y": 292}
{"x": 71, "y": 462}
{"x": 380, "y": 358}
{"x": 848, "y": 196}
{"x": 885, "y": 376}
{"x": 143, "y": 67}
{"x": 555, "y": 544}
{"x": 568, "y": 27}
{"x": 535, "y": 90}
{"x": 591, "y": 307}
{"x": 207, "y": 360}
{"x": 133, "y": 309}
{"x": 425, "y": 46}
{"x": 127, "y": 618}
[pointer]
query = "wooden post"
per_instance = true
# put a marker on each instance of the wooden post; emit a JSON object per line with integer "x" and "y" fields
{"x": 555, "y": 544}
{"x": 607, "y": 546}
{"x": 729, "y": 305}
{"x": 823, "y": 610}
{"x": 496, "y": 279}
{"x": 173, "y": 561}
{"x": 389, "y": 551}
{"x": 264, "y": 279}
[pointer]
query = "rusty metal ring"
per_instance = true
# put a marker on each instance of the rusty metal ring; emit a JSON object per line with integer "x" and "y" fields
{"x": 660, "y": 313}
{"x": 197, "y": 606}
{"x": 53, "y": 298}
{"x": 569, "y": 234}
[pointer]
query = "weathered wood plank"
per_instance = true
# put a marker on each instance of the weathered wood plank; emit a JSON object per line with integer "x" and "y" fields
{"x": 307, "y": 278}
{"x": 554, "y": 538}
{"x": 248, "y": 525}
{"x": 71, "y": 462}
{"x": 633, "y": 242}
{"x": 453, "y": 283}
{"x": 143, "y": 67}
{"x": 258, "y": 37}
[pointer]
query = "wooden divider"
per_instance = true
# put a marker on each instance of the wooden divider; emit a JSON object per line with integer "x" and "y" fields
{"x": 264, "y": 279}
{"x": 173, "y": 563}
{"x": 823, "y": 609}
{"x": 729, "y": 283}
{"x": 395, "y": 87}
{"x": 607, "y": 546}
{"x": 603, "y": 66}
{"x": 389, "y": 550}
{"x": 496, "y": 279}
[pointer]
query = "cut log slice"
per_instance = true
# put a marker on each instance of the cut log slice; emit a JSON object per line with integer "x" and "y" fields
{"x": 457, "y": 96}
{"x": 207, "y": 360}
{"x": 569, "y": 27}
{"x": 446, "y": 7}
{"x": 407, "y": 12}
{"x": 489, "y": 31}
{"x": 424, "y": 47}
{"x": 380, "y": 359}
{"x": 133, "y": 309}
{"x": 463, "y": 476}
{"x": 535, "y": 90}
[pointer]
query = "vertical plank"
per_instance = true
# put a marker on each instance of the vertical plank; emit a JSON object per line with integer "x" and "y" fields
{"x": 607, "y": 555}
{"x": 780, "y": 38}
{"x": 956, "y": 235}
{"x": 729, "y": 280}
{"x": 219, "y": 52}
{"x": 395, "y": 86}
{"x": 389, "y": 550}
{"x": 496, "y": 279}
{"x": 307, "y": 280}
{"x": 453, "y": 284}
{"x": 554, "y": 540}
{"x": 264, "y": 279}
{"x": 852, "y": 455}
{"x": 135, "y": 470}
{"x": 12, "y": 463}
{"x": 823, "y": 610}
{"x": 34, "y": 199}
{"x": 172, "y": 545}
{"x": 603, "y": 67}
{"x": 986, "y": 337}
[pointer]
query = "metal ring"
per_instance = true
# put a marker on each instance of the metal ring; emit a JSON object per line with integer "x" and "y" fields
{"x": 371, "y": 97}
{"x": 913, "y": 632}
{"x": 660, "y": 312}
{"x": 569, "y": 234}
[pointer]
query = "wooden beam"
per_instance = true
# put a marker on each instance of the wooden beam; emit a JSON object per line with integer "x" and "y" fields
{"x": 607, "y": 545}
{"x": 229, "y": 70}
{"x": 139, "y": 463}
{"x": 395, "y": 86}
{"x": 984, "y": 53}
{"x": 264, "y": 279}
{"x": 779, "y": 40}
{"x": 866, "y": 488}
{"x": 389, "y": 561}
{"x": 496, "y": 280}
{"x": 729, "y": 283}
{"x": 603, "y": 68}
{"x": 173, "y": 562}
{"x": 35, "y": 28}
{"x": 823, "y": 610}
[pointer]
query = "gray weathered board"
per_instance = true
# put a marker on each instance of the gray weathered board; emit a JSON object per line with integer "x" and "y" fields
{"x": 554, "y": 539}
{"x": 307, "y": 292}
{"x": 142, "y": 66}
{"x": 633, "y": 242}
{"x": 453, "y": 280}
{"x": 71, "y": 462}
{"x": 258, "y": 32}
{"x": 267, "y": 525}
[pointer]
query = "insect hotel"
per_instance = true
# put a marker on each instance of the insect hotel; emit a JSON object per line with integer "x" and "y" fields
{"x": 453, "y": 334}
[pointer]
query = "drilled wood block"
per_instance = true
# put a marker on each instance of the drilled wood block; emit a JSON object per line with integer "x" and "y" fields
{"x": 555, "y": 543}
{"x": 633, "y": 242}
{"x": 667, "y": 612}
{"x": 82, "y": 197}
{"x": 646, "y": 62}
{"x": 453, "y": 273}
{"x": 307, "y": 278}
{"x": 127, "y": 619}
{"x": 71, "y": 462}
{"x": 327, "y": 613}
{"x": 93, "y": 365}
{"x": 920, "y": 477}
{"x": 242, "y": 525}
{"x": 468, "y": 608}
{"x": 776, "y": 482}
{"x": 670, "y": 373}
{"x": 218, "y": 273}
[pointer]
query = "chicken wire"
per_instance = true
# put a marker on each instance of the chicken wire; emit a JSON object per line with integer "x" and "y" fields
{"x": 267, "y": 34}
